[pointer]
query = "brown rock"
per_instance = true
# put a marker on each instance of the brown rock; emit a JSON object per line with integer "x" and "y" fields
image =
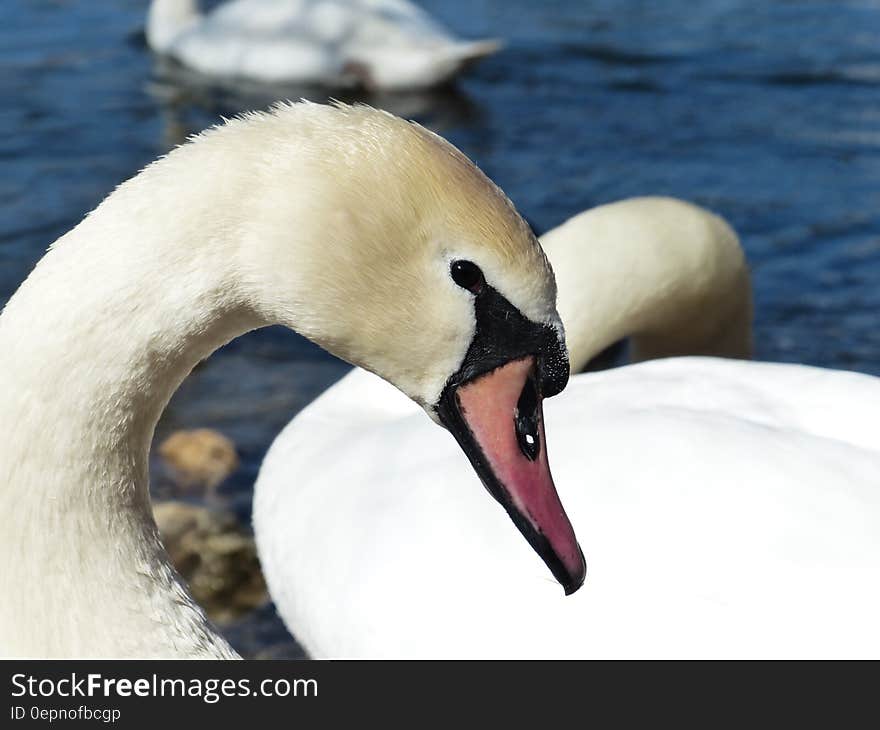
{"x": 215, "y": 555}
{"x": 201, "y": 458}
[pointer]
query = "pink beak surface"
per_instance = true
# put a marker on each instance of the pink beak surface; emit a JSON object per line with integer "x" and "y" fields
{"x": 503, "y": 418}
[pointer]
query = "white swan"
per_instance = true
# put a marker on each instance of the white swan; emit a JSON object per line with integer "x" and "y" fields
{"x": 382, "y": 44}
{"x": 436, "y": 284}
{"x": 727, "y": 508}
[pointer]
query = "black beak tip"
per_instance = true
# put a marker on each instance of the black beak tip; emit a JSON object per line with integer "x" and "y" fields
{"x": 573, "y": 587}
{"x": 574, "y": 582}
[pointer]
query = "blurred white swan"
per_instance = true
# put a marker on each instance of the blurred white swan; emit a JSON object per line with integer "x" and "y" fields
{"x": 381, "y": 44}
{"x": 726, "y": 508}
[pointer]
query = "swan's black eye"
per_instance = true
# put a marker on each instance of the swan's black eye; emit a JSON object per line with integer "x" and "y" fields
{"x": 467, "y": 275}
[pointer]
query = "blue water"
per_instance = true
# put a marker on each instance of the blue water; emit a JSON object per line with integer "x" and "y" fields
{"x": 766, "y": 111}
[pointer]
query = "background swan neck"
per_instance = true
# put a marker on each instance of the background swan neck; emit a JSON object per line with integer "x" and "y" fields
{"x": 666, "y": 274}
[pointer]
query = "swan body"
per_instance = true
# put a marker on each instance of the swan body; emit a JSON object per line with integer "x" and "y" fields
{"x": 270, "y": 218}
{"x": 729, "y": 508}
{"x": 726, "y": 508}
{"x": 382, "y": 44}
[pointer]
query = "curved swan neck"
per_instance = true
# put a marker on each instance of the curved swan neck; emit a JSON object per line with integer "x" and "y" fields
{"x": 666, "y": 274}
{"x": 94, "y": 344}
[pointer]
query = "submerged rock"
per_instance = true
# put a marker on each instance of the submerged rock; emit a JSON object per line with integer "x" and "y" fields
{"x": 215, "y": 555}
{"x": 199, "y": 459}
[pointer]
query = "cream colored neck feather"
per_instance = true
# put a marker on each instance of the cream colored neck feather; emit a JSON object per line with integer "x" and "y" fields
{"x": 666, "y": 274}
{"x": 93, "y": 346}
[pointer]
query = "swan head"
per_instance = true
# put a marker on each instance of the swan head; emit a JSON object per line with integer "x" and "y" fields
{"x": 426, "y": 275}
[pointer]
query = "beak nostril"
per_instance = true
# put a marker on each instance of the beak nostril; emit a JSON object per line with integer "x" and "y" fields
{"x": 526, "y": 420}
